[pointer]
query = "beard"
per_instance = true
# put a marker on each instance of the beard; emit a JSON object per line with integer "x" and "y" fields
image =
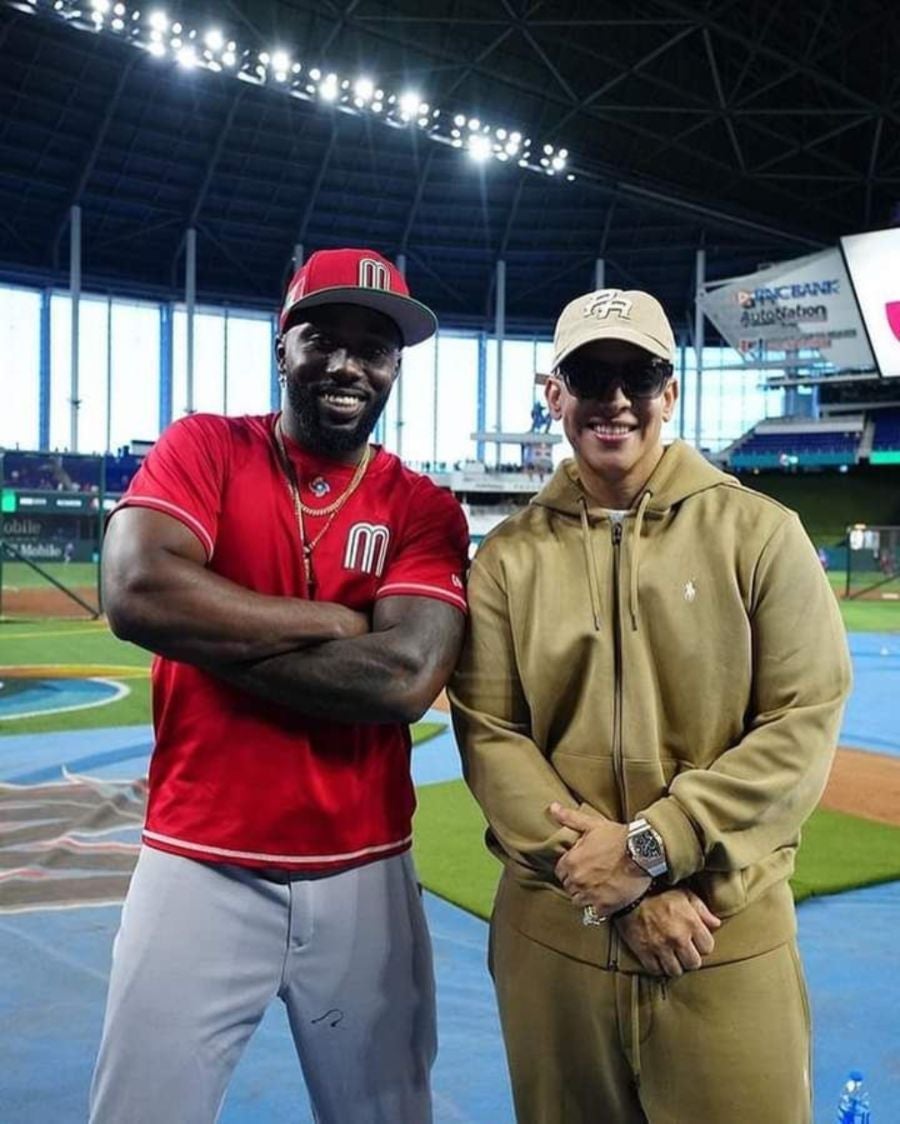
{"x": 318, "y": 435}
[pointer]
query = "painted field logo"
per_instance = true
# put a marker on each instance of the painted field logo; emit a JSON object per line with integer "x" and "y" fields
{"x": 31, "y": 691}
{"x": 50, "y": 857}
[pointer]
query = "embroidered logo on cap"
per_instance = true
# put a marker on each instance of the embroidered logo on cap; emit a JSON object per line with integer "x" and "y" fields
{"x": 606, "y": 303}
{"x": 690, "y": 591}
{"x": 373, "y": 274}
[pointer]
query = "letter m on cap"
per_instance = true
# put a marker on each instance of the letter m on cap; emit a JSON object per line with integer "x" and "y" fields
{"x": 373, "y": 274}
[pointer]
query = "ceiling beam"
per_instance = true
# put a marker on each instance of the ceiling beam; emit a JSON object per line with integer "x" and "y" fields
{"x": 720, "y": 95}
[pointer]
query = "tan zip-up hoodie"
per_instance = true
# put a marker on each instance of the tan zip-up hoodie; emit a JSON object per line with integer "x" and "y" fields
{"x": 689, "y": 665}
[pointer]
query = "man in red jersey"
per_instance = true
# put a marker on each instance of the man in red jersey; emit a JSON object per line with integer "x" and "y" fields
{"x": 303, "y": 593}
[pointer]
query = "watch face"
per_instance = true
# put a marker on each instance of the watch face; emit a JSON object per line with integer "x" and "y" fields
{"x": 644, "y": 846}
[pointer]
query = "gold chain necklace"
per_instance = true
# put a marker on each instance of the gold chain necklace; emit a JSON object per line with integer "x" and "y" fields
{"x": 290, "y": 477}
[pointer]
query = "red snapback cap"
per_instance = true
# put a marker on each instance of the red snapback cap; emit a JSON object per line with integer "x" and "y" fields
{"x": 361, "y": 277}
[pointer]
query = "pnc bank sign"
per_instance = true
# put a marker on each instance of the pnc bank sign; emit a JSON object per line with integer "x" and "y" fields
{"x": 772, "y": 294}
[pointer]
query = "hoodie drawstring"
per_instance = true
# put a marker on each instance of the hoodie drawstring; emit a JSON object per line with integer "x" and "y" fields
{"x": 635, "y": 561}
{"x": 593, "y": 583}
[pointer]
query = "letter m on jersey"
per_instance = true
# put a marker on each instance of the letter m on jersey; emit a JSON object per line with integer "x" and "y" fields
{"x": 367, "y": 546}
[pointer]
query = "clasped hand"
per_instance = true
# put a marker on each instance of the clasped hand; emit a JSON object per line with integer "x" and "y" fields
{"x": 669, "y": 932}
{"x": 596, "y": 870}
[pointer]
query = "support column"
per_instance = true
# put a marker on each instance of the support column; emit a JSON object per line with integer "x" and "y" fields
{"x": 274, "y": 384}
{"x": 599, "y": 274}
{"x": 44, "y": 373}
{"x": 500, "y": 336}
{"x": 109, "y": 378}
{"x": 699, "y": 342}
{"x": 166, "y": 317}
{"x": 434, "y": 410}
{"x": 75, "y": 296}
{"x": 190, "y": 303}
{"x": 481, "y": 401}
{"x": 398, "y": 386}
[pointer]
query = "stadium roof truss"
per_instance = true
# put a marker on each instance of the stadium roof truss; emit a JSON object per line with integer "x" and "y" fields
{"x": 633, "y": 132}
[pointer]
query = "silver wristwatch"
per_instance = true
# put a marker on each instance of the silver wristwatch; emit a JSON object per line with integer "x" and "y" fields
{"x": 645, "y": 847}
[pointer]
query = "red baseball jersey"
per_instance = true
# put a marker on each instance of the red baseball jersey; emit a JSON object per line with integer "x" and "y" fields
{"x": 232, "y": 777}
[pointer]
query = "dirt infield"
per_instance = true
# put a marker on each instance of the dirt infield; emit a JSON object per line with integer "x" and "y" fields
{"x": 45, "y": 601}
{"x": 865, "y": 784}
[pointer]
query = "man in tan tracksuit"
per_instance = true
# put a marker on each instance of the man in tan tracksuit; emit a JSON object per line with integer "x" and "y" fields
{"x": 647, "y": 708}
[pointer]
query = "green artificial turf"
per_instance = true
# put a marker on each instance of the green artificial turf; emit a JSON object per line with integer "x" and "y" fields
{"x": 451, "y": 858}
{"x": 838, "y": 852}
{"x": 871, "y": 616}
{"x": 841, "y": 852}
{"x": 75, "y": 575}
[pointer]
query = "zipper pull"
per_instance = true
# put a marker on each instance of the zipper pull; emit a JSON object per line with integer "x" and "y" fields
{"x": 617, "y": 533}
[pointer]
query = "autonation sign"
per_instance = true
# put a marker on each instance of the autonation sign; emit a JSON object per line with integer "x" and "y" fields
{"x": 799, "y": 312}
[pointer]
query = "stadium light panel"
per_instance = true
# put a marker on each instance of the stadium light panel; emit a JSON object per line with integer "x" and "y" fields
{"x": 155, "y": 32}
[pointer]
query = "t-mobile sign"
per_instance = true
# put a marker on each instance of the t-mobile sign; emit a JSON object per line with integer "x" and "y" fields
{"x": 873, "y": 262}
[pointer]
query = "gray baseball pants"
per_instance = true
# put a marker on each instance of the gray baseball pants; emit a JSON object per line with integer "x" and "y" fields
{"x": 203, "y": 949}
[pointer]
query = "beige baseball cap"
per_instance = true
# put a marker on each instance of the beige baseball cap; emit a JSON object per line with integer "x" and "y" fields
{"x": 613, "y": 314}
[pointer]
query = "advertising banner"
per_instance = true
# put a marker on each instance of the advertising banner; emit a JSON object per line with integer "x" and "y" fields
{"x": 801, "y": 313}
{"x": 873, "y": 260}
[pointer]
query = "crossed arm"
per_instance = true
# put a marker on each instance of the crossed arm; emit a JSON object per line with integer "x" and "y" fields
{"x": 320, "y": 658}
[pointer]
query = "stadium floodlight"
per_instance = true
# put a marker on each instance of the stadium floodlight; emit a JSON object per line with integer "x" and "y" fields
{"x": 409, "y": 104}
{"x": 328, "y": 87}
{"x": 479, "y": 147}
{"x": 162, "y": 35}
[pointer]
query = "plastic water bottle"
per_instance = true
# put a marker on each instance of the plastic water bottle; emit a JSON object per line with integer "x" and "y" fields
{"x": 853, "y": 1107}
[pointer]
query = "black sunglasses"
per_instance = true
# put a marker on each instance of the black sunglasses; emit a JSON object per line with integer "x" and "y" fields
{"x": 638, "y": 378}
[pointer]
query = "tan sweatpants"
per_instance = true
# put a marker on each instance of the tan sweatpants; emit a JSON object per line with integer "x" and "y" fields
{"x": 725, "y": 1045}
